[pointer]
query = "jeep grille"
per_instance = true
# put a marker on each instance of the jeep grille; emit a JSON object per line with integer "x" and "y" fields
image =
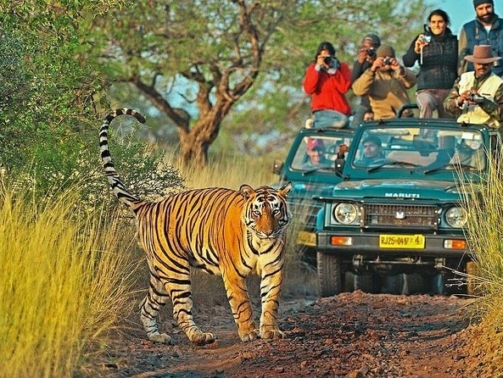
{"x": 400, "y": 216}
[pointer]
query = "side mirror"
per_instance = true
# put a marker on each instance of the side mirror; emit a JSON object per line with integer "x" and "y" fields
{"x": 339, "y": 165}
{"x": 277, "y": 167}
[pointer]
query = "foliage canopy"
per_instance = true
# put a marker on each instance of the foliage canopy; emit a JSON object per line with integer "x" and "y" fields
{"x": 196, "y": 60}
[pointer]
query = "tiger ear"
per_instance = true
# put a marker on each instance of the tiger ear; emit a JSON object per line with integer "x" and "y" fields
{"x": 246, "y": 191}
{"x": 285, "y": 189}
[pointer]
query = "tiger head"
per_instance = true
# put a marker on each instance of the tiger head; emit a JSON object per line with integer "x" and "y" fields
{"x": 266, "y": 211}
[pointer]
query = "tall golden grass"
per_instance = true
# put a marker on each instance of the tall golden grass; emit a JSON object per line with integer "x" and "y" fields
{"x": 227, "y": 171}
{"x": 64, "y": 283}
{"x": 485, "y": 236}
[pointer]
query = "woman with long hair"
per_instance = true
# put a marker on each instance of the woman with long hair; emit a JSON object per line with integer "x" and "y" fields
{"x": 436, "y": 51}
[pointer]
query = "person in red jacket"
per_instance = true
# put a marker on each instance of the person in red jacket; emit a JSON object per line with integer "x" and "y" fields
{"x": 327, "y": 80}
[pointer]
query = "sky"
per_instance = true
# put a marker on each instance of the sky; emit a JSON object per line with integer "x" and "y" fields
{"x": 461, "y": 11}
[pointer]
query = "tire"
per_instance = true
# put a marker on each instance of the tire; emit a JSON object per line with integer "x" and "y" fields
{"x": 392, "y": 283}
{"x": 406, "y": 284}
{"x": 414, "y": 283}
{"x": 329, "y": 275}
{"x": 365, "y": 282}
{"x": 473, "y": 281}
{"x": 438, "y": 284}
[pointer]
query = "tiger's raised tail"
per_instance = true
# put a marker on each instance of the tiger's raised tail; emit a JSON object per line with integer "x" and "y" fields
{"x": 118, "y": 187}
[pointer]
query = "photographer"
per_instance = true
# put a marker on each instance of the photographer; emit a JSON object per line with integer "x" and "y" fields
{"x": 486, "y": 29}
{"x": 477, "y": 96}
{"x": 386, "y": 83}
{"x": 365, "y": 58}
{"x": 436, "y": 50}
{"x": 327, "y": 80}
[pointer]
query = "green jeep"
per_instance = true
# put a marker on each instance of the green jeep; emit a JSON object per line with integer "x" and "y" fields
{"x": 394, "y": 223}
{"x": 309, "y": 179}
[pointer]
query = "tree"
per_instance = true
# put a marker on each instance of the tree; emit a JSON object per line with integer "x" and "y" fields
{"x": 195, "y": 60}
{"x": 48, "y": 103}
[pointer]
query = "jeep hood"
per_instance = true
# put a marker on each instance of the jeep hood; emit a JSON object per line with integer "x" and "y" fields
{"x": 398, "y": 188}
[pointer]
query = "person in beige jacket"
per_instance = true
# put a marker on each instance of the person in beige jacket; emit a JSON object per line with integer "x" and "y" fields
{"x": 477, "y": 96}
{"x": 386, "y": 83}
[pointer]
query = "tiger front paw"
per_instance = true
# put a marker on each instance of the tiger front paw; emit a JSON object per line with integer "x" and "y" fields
{"x": 249, "y": 336}
{"x": 269, "y": 332}
{"x": 202, "y": 338}
{"x": 157, "y": 337}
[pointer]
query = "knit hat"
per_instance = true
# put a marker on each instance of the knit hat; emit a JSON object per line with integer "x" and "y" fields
{"x": 374, "y": 39}
{"x": 476, "y": 3}
{"x": 384, "y": 51}
{"x": 313, "y": 143}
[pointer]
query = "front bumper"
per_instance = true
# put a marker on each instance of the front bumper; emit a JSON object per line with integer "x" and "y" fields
{"x": 350, "y": 243}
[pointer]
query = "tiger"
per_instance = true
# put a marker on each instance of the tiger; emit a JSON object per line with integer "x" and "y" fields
{"x": 232, "y": 233}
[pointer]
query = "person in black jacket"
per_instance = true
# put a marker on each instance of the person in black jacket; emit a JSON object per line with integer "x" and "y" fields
{"x": 436, "y": 51}
{"x": 364, "y": 60}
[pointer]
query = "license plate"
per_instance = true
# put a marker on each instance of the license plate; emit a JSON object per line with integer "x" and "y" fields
{"x": 401, "y": 241}
{"x": 306, "y": 238}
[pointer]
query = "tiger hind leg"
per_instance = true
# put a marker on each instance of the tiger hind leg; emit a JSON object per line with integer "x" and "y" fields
{"x": 149, "y": 310}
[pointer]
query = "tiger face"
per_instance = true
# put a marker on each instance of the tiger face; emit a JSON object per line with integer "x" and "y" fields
{"x": 266, "y": 210}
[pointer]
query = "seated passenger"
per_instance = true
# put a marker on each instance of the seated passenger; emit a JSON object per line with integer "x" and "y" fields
{"x": 469, "y": 153}
{"x": 372, "y": 152}
{"x": 315, "y": 154}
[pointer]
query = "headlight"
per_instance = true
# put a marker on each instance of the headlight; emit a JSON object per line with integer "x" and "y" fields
{"x": 456, "y": 217}
{"x": 345, "y": 213}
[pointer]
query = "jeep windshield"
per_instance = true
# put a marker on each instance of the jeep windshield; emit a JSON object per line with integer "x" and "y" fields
{"x": 420, "y": 149}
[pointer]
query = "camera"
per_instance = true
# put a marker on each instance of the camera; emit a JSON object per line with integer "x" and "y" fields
{"x": 475, "y": 97}
{"x": 327, "y": 59}
{"x": 371, "y": 52}
{"x": 498, "y": 62}
{"x": 387, "y": 61}
{"x": 426, "y": 38}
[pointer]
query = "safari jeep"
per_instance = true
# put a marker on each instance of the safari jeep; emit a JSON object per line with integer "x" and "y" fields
{"x": 394, "y": 223}
{"x": 310, "y": 179}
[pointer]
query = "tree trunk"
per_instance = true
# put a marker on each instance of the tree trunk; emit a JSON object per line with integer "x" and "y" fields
{"x": 195, "y": 143}
{"x": 193, "y": 150}
{"x": 196, "y": 140}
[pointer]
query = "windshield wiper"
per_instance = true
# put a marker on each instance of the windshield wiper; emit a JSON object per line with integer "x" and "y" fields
{"x": 320, "y": 168}
{"x": 391, "y": 162}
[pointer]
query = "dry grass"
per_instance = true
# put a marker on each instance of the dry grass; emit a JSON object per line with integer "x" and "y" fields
{"x": 64, "y": 283}
{"x": 485, "y": 236}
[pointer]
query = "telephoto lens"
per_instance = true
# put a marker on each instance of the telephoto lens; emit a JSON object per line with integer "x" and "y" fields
{"x": 327, "y": 59}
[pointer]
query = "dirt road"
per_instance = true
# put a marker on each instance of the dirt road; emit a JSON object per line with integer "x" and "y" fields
{"x": 350, "y": 335}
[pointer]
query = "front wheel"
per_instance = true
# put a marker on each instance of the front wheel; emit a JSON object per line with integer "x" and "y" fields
{"x": 329, "y": 274}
